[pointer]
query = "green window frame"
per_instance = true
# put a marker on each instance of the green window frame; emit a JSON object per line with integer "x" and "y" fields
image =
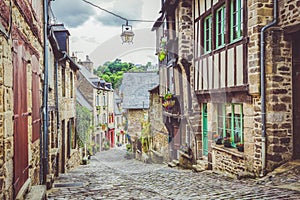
{"x": 220, "y": 26}
{"x": 231, "y": 123}
{"x": 207, "y": 34}
{"x": 236, "y": 20}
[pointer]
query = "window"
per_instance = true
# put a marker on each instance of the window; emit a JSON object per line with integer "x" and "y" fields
{"x": 207, "y": 34}
{"x": 71, "y": 85}
{"x": 230, "y": 122}
{"x": 236, "y": 19}
{"x": 220, "y": 26}
{"x": 63, "y": 85}
{"x": 97, "y": 100}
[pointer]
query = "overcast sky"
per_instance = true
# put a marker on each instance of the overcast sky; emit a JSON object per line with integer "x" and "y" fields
{"x": 96, "y": 33}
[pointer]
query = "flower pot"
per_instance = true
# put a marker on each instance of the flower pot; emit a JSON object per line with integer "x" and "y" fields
{"x": 227, "y": 144}
{"x": 240, "y": 148}
{"x": 218, "y": 141}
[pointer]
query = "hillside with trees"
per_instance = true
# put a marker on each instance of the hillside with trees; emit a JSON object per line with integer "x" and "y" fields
{"x": 113, "y": 71}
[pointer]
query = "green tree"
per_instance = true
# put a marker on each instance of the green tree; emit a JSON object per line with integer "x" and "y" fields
{"x": 83, "y": 124}
{"x": 113, "y": 71}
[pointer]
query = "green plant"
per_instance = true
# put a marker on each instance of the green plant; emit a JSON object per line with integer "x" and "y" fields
{"x": 168, "y": 96}
{"x": 227, "y": 142}
{"x": 162, "y": 55}
{"x": 128, "y": 147}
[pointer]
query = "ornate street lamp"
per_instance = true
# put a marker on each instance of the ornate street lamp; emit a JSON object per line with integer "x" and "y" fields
{"x": 127, "y": 33}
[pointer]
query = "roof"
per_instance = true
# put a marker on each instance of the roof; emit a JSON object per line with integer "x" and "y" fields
{"x": 82, "y": 100}
{"x": 59, "y": 28}
{"x": 92, "y": 78}
{"x": 135, "y": 89}
{"x": 155, "y": 89}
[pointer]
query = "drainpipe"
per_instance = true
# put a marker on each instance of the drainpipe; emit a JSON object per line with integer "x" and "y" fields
{"x": 262, "y": 83}
{"x": 45, "y": 96}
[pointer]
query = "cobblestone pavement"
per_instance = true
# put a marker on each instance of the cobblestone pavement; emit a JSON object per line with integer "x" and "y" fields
{"x": 110, "y": 176}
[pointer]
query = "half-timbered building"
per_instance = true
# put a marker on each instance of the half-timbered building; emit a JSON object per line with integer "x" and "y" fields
{"x": 245, "y": 77}
{"x": 243, "y": 72}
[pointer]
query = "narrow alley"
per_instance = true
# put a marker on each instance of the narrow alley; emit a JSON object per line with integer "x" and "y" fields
{"x": 111, "y": 176}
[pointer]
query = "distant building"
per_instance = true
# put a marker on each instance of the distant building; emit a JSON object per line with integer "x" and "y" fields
{"x": 135, "y": 97}
{"x": 96, "y": 95}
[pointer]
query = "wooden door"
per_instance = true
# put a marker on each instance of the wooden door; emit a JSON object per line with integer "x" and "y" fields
{"x": 20, "y": 117}
{"x": 296, "y": 96}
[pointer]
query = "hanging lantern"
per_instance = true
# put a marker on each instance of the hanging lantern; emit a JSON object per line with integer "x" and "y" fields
{"x": 127, "y": 33}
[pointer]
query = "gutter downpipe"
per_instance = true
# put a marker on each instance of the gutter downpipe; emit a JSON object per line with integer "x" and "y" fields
{"x": 45, "y": 97}
{"x": 262, "y": 85}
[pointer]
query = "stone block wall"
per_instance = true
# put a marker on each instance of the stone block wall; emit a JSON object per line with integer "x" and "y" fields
{"x": 278, "y": 79}
{"x": 134, "y": 122}
{"x": 289, "y": 13}
{"x": 279, "y": 95}
{"x": 74, "y": 160}
{"x": 158, "y": 130}
{"x": 29, "y": 30}
{"x": 232, "y": 163}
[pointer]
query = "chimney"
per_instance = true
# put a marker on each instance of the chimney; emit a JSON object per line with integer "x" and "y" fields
{"x": 88, "y": 64}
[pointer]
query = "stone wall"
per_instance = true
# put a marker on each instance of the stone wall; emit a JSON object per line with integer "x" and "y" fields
{"x": 134, "y": 117}
{"x": 158, "y": 130}
{"x": 278, "y": 79}
{"x": 279, "y": 95}
{"x": 289, "y": 13}
{"x": 67, "y": 112}
{"x": 29, "y": 30}
{"x": 74, "y": 160}
{"x": 228, "y": 162}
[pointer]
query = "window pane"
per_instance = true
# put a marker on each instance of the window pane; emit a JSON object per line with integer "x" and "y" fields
{"x": 236, "y": 15}
{"x": 220, "y": 26}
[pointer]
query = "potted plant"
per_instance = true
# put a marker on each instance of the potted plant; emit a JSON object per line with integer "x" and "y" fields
{"x": 168, "y": 96}
{"x": 168, "y": 104}
{"x": 240, "y": 147}
{"x": 227, "y": 142}
{"x": 219, "y": 140}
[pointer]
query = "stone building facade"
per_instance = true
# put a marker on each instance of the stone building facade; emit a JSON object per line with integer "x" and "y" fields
{"x": 177, "y": 39}
{"x": 99, "y": 96}
{"x": 21, "y": 56}
{"x": 244, "y": 78}
{"x": 258, "y": 73}
{"x": 26, "y": 153}
{"x": 159, "y": 145}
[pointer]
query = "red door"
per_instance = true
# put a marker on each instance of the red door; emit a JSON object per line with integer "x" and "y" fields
{"x": 112, "y": 138}
{"x": 20, "y": 117}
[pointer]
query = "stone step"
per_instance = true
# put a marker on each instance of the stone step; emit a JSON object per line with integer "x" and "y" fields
{"x": 198, "y": 168}
{"x": 37, "y": 192}
{"x": 171, "y": 164}
{"x": 176, "y": 162}
{"x": 203, "y": 164}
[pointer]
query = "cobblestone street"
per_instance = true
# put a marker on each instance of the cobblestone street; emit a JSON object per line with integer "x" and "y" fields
{"x": 110, "y": 176}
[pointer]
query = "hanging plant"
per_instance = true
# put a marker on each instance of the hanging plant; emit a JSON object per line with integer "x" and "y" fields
{"x": 168, "y": 96}
{"x": 168, "y": 104}
{"x": 162, "y": 55}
